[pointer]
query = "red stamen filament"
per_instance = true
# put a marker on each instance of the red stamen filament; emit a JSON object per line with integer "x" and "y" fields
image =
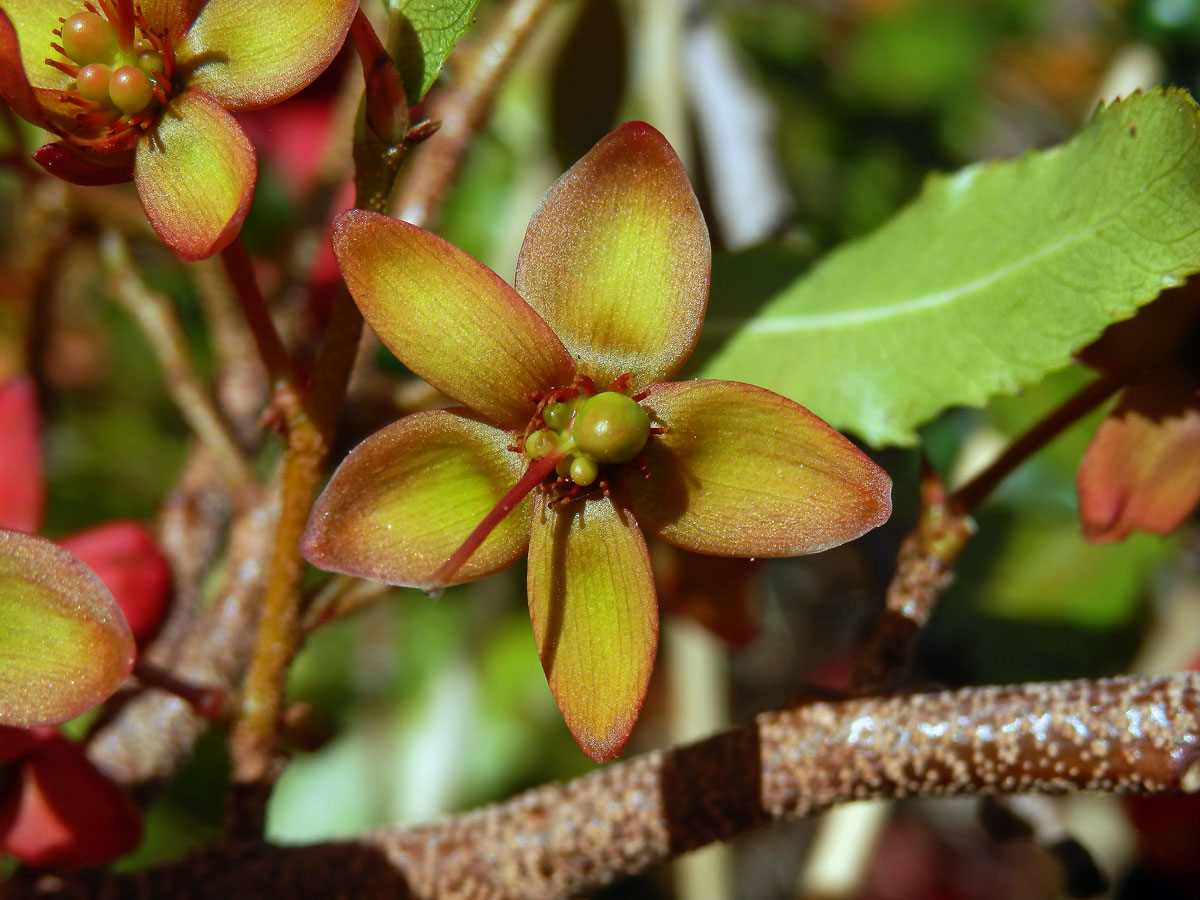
{"x": 71, "y": 70}
{"x": 534, "y": 475}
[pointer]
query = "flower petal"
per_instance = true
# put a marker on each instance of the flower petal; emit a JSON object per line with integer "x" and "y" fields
{"x": 22, "y": 491}
{"x": 406, "y": 497}
{"x": 35, "y": 22}
{"x": 248, "y": 54}
{"x": 195, "y": 175}
{"x": 128, "y": 561}
{"x": 64, "y": 647}
{"x": 15, "y": 88}
{"x": 1142, "y": 469}
{"x": 617, "y": 259}
{"x": 744, "y": 472}
{"x": 170, "y": 16}
{"x": 448, "y": 317}
{"x": 595, "y": 618}
{"x": 61, "y": 811}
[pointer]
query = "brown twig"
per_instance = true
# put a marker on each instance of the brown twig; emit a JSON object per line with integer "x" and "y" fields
{"x": 925, "y": 562}
{"x": 156, "y": 317}
{"x": 270, "y": 347}
{"x": 924, "y": 567}
{"x": 563, "y": 840}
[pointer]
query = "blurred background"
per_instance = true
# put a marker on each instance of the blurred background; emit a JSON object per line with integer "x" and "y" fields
{"x": 803, "y": 125}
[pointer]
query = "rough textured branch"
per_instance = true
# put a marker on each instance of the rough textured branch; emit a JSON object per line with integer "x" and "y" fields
{"x": 558, "y": 841}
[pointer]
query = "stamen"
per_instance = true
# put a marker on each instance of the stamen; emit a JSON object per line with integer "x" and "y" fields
{"x": 533, "y": 476}
{"x": 71, "y": 70}
{"x": 620, "y": 384}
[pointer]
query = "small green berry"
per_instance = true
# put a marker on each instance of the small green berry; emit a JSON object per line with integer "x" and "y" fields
{"x": 563, "y": 469}
{"x": 611, "y": 428}
{"x": 130, "y": 90}
{"x": 149, "y": 62}
{"x": 88, "y": 38}
{"x": 538, "y": 444}
{"x": 558, "y": 415}
{"x": 584, "y": 471}
{"x": 92, "y": 82}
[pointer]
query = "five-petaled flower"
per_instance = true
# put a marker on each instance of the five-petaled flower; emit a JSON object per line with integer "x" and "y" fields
{"x": 574, "y": 436}
{"x": 144, "y": 92}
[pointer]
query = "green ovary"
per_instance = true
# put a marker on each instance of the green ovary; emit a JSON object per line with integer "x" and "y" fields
{"x": 608, "y": 428}
{"x": 611, "y": 428}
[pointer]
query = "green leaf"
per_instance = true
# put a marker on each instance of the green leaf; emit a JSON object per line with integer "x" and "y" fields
{"x": 1047, "y": 572}
{"x": 421, "y": 34}
{"x": 993, "y": 277}
{"x": 64, "y": 645}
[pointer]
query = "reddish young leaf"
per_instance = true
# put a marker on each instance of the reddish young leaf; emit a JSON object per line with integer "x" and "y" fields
{"x": 129, "y": 563}
{"x": 22, "y": 493}
{"x": 1142, "y": 469}
{"x": 60, "y": 811}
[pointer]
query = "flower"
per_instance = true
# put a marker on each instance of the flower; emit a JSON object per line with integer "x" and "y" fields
{"x": 566, "y": 380}
{"x": 145, "y": 91}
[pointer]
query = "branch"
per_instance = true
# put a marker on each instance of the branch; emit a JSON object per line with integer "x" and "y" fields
{"x": 558, "y": 841}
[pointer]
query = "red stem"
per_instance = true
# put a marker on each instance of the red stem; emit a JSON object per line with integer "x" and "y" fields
{"x": 208, "y": 702}
{"x": 533, "y": 476}
{"x": 968, "y": 497}
{"x": 254, "y": 308}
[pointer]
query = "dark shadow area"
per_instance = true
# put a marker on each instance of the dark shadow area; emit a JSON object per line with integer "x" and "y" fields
{"x": 712, "y": 791}
{"x": 588, "y": 80}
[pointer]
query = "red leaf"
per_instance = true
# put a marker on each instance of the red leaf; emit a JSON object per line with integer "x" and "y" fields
{"x": 1142, "y": 469}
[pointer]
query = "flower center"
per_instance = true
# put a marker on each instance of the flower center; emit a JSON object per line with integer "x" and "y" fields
{"x": 122, "y": 68}
{"x": 590, "y": 429}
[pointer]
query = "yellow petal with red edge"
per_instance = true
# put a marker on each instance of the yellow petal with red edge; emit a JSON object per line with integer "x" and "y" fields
{"x": 64, "y": 645}
{"x": 35, "y": 22}
{"x": 407, "y": 497}
{"x": 617, "y": 259}
{"x": 195, "y": 175}
{"x": 745, "y": 472}
{"x": 247, "y": 53}
{"x": 15, "y": 88}
{"x": 1142, "y": 469}
{"x": 595, "y": 618}
{"x": 448, "y": 317}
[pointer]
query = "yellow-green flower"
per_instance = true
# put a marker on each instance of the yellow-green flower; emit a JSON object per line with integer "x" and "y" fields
{"x": 143, "y": 91}
{"x": 575, "y": 439}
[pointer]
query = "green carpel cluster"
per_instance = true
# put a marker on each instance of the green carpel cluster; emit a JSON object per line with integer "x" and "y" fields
{"x": 607, "y": 428}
